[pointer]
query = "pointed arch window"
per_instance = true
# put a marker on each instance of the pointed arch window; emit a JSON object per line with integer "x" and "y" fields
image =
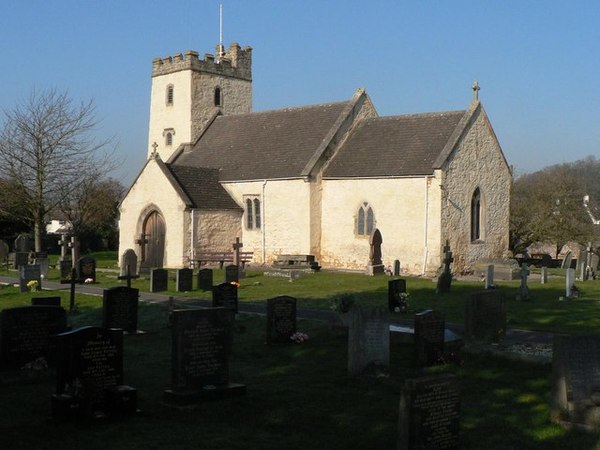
{"x": 170, "y": 94}
{"x": 476, "y": 216}
{"x": 365, "y": 220}
{"x": 253, "y": 213}
{"x": 218, "y": 97}
{"x": 168, "y": 134}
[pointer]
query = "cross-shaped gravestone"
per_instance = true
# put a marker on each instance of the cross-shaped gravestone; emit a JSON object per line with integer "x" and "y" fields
{"x": 236, "y": 251}
{"x": 445, "y": 279}
{"x": 74, "y": 246}
{"x": 142, "y": 241}
{"x": 128, "y": 276}
{"x": 64, "y": 244}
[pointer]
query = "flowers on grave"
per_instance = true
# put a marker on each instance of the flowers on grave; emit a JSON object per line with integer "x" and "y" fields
{"x": 402, "y": 302}
{"x": 235, "y": 283}
{"x": 88, "y": 280}
{"x": 32, "y": 285}
{"x": 299, "y": 337}
{"x": 341, "y": 304}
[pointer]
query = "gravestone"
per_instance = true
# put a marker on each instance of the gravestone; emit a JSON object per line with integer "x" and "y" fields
{"x": 128, "y": 259}
{"x": 23, "y": 243}
{"x": 368, "y": 341}
{"x": 489, "y": 277}
{"x": 120, "y": 309}
{"x": 86, "y": 269}
{"x": 523, "y": 289}
{"x": 21, "y": 259}
{"x": 575, "y": 380}
{"x": 89, "y": 375}
{"x": 44, "y": 264}
{"x": 281, "y": 319}
{"x": 232, "y": 273}
{"x": 429, "y": 416}
{"x": 225, "y": 295}
{"x": 201, "y": 346}
{"x": 184, "y": 280}
{"x": 66, "y": 270}
{"x": 159, "y": 280}
{"x": 27, "y": 333}
{"x": 429, "y": 337}
{"x": 64, "y": 245}
{"x": 544, "y": 275}
{"x": 570, "y": 283}
{"x": 485, "y": 316}
{"x": 445, "y": 279}
{"x": 581, "y": 266}
{"x": 45, "y": 301}
{"x": 566, "y": 262}
{"x": 205, "y": 279}
{"x": 397, "y": 268}
{"x": 395, "y": 290}
{"x": 74, "y": 246}
{"x": 28, "y": 273}
{"x": 4, "y": 250}
{"x": 375, "y": 266}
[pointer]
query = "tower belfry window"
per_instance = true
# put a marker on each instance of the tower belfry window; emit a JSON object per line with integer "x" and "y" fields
{"x": 218, "y": 98}
{"x": 170, "y": 94}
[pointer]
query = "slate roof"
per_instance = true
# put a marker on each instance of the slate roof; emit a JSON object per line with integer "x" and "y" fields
{"x": 263, "y": 145}
{"x": 394, "y": 145}
{"x": 202, "y": 187}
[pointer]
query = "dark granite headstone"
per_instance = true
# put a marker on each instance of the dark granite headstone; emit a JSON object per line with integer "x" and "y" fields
{"x": 23, "y": 243}
{"x": 225, "y": 295}
{"x": 27, "y": 274}
{"x": 89, "y": 375}
{"x": 201, "y": 346}
{"x": 485, "y": 316}
{"x": 232, "y": 273}
{"x": 159, "y": 280}
{"x": 429, "y": 337}
{"x": 45, "y": 301}
{"x": 27, "y": 333}
{"x": 576, "y": 380}
{"x": 395, "y": 288}
{"x": 120, "y": 308}
{"x": 397, "y": 268}
{"x": 205, "y": 279}
{"x": 184, "y": 280}
{"x": 429, "y": 416}
{"x": 368, "y": 340}
{"x": 281, "y": 319}
{"x": 86, "y": 269}
{"x": 66, "y": 267}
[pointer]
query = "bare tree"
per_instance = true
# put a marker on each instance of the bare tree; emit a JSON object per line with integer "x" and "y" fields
{"x": 47, "y": 150}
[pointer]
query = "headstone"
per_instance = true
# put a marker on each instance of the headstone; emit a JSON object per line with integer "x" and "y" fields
{"x": 429, "y": 337}
{"x": 74, "y": 246}
{"x": 237, "y": 245}
{"x": 120, "y": 309}
{"x": 485, "y": 316}
{"x": 64, "y": 245}
{"x": 159, "y": 280}
{"x": 429, "y": 416}
{"x": 45, "y": 301}
{"x": 523, "y": 289}
{"x": 544, "y": 275}
{"x": 566, "y": 262}
{"x": 89, "y": 375}
{"x": 201, "y": 345}
{"x": 368, "y": 340}
{"x": 128, "y": 259}
{"x": 232, "y": 273}
{"x": 23, "y": 243}
{"x": 44, "y": 264}
{"x": 489, "y": 277}
{"x": 21, "y": 259}
{"x": 445, "y": 279}
{"x": 375, "y": 266}
{"x": 395, "y": 290}
{"x": 225, "y": 295}
{"x": 281, "y": 319}
{"x": 205, "y": 279}
{"x": 569, "y": 283}
{"x": 27, "y": 274}
{"x": 3, "y": 252}
{"x": 581, "y": 267}
{"x": 86, "y": 269}
{"x": 575, "y": 380}
{"x": 66, "y": 267}
{"x": 397, "y": 268}
{"x": 184, "y": 280}
{"x": 27, "y": 333}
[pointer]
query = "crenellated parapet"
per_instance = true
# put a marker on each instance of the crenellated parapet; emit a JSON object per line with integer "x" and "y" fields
{"x": 235, "y": 62}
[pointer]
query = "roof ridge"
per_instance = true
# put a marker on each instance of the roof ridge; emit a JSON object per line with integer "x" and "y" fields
{"x": 290, "y": 109}
{"x": 425, "y": 114}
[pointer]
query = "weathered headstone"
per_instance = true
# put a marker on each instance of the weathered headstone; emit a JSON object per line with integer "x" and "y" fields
{"x": 44, "y": 264}
{"x": 575, "y": 380}
{"x": 368, "y": 340}
{"x": 89, "y": 375}
{"x": 64, "y": 245}
{"x": 23, "y": 243}
{"x": 566, "y": 262}
{"x": 28, "y": 274}
{"x": 281, "y": 319}
{"x": 429, "y": 416}
{"x": 27, "y": 333}
{"x": 45, "y": 301}
{"x": 159, "y": 280}
{"x": 375, "y": 266}
{"x": 120, "y": 309}
{"x": 485, "y": 316}
{"x": 429, "y": 337}
{"x": 66, "y": 268}
{"x": 201, "y": 345}
{"x": 523, "y": 289}
{"x": 569, "y": 283}
{"x": 445, "y": 279}
{"x": 74, "y": 246}
{"x": 128, "y": 259}
{"x": 4, "y": 250}
{"x": 397, "y": 268}
{"x": 395, "y": 290}
{"x": 544, "y": 275}
{"x": 489, "y": 277}
{"x": 21, "y": 259}
{"x": 581, "y": 267}
{"x": 86, "y": 269}
{"x": 225, "y": 295}
{"x": 232, "y": 273}
{"x": 205, "y": 279}
{"x": 184, "y": 280}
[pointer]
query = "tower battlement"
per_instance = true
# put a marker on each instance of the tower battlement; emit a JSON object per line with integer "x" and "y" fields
{"x": 236, "y": 62}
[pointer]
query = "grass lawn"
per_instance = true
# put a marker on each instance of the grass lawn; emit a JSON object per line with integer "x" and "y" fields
{"x": 299, "y": 396}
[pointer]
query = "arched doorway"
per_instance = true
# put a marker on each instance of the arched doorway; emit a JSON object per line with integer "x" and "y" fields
{"x": 153, "y": 249}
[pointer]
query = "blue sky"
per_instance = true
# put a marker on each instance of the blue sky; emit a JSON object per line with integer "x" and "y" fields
{"x": 537, "y": 62}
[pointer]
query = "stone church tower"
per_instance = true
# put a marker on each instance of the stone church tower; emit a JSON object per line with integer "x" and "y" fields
{"x": 188, "y": 91}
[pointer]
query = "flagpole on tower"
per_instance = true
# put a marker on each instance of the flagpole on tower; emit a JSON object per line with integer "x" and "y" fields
{"x": 221, "y": 49}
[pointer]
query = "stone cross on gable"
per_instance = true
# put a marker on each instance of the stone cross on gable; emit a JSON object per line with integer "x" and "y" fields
{"x": 154, "y": 152}
{"x": 236, "y": 251}
{"x": 476, "y": 90}
{"x": 74, "y": 246}
{"x": 142, "y": 241}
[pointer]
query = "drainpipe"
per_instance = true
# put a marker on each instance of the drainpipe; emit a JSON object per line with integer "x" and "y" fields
{"x": 192, "y": 233}
{"x": 263, "y": 224}
{"x": 426, "y": 226}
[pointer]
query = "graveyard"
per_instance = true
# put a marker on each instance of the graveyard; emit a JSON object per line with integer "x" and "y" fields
{"x": 319, "y": 392}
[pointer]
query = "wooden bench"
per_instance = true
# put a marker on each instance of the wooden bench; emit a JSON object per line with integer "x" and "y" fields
{"x": 221, "y": 258}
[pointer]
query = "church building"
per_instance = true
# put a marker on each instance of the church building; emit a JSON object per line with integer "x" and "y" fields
{"x": 329, "y": 180}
